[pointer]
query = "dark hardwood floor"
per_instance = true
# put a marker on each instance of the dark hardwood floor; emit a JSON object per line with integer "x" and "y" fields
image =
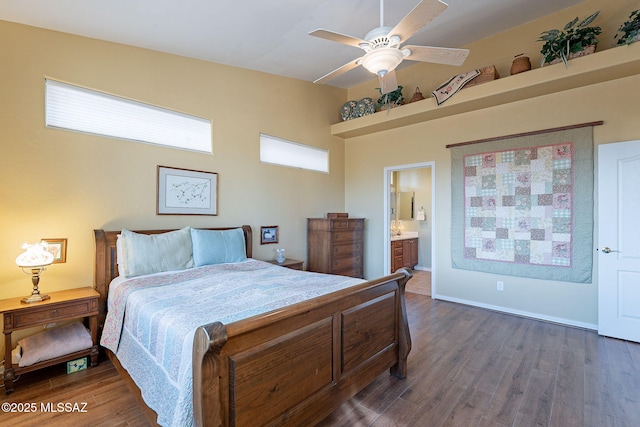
{"x": 468, "y": 367}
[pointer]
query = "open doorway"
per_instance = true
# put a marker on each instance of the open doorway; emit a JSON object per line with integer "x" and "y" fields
{"x": 409, "y": 207}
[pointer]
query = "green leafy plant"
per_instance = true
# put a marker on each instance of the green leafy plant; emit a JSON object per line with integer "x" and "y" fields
{"x": 390, "y": 99}
{"x": 574, "y": 37}
{"x": 629, "y": 30}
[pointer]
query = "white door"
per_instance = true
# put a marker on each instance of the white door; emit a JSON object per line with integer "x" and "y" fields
{"x": 619, "y": 240}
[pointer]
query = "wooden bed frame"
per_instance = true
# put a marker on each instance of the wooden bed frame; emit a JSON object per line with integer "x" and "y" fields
{"x": 292, "y": 366}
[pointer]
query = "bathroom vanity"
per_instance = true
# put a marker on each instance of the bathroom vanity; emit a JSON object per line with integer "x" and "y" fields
{"x": 404, "y": 250}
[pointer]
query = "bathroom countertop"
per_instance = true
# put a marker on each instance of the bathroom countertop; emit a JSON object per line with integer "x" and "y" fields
{"x": 405, "y": 235}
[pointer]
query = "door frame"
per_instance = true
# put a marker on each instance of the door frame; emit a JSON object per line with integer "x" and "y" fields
{"x": 387, "y": 215}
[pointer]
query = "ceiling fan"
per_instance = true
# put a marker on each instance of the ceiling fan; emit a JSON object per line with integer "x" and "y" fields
{"x": 383, "y": 52}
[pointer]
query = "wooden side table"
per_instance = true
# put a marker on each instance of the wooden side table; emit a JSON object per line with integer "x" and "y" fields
{"x": 63, "y": 305}
{"x": 293, "y": 264}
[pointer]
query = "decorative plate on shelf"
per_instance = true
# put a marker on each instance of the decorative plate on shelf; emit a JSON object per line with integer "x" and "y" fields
{"x": 349, "y": 110}
{"x": 366, "y": 106}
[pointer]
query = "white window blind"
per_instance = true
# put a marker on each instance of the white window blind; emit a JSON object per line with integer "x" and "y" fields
{"x": 78, "y": 109}
{"x": 286, "y": 153}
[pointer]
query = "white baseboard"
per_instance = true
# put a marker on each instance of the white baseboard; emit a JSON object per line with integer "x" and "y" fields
{"x": 536, "y": 316}
{"x": 417, "y": 267}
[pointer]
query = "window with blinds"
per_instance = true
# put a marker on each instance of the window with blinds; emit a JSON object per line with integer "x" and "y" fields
{"x": 78, "y": 109}
{"x": 292, "y": 154}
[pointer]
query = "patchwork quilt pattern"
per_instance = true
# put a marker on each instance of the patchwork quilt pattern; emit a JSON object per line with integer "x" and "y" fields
{"x": 518, "y": 205}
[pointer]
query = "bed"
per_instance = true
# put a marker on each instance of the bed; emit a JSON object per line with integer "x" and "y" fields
{"x": 291, "y": 362}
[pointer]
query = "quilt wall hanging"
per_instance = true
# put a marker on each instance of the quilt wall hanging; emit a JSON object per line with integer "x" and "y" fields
{"x": 523, "y": 206}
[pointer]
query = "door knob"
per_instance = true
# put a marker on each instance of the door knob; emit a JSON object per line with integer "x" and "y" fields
{"x": 608, "y": 250}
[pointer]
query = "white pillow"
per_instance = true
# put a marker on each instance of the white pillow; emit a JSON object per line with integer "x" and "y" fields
{"x": 53, "y": 343}
{"x": 154, "y": 253}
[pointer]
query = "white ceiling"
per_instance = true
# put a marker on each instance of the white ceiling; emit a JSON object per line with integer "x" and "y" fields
{"x": 270, "y": 36}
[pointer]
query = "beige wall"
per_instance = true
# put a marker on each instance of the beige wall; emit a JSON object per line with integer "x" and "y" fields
{"x": 58, "y": 184}
{"x": 368, "y": 155}
{"x": 500, "y": 50}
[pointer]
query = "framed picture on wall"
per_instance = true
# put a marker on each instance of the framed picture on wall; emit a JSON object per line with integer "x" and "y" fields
{"x": 268, "y": 234}
{"x": 58, "y": 248}
{"x": 187, "y": 192}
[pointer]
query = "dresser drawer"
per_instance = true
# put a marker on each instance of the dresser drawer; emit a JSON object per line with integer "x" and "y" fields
{"x": 346, "y": 224}
{"x": 35, "y": 317}
{"x": 347, "y": 262}
{"x": 346, "y": 236}
{"x": 353, "y": 271}
{"x": 346, "y": 250}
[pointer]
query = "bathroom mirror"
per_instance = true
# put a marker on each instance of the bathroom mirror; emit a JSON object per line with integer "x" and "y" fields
{"x": 393, "y": 204}
{"x": 405, "y": 208}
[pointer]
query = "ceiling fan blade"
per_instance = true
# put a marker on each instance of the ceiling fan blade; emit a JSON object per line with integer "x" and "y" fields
{"x": 337, "y": 37}
{"x": 437, "y": 55}
{"x": 339, "y": 71}
{"x": 388, "y": 82}
{"x": 420, "y": 16}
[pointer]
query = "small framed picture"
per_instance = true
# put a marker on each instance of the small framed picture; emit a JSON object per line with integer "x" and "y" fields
{"x": 187, "y": 192}
{"x": 58, "y": 248}
{"x": 268, "y": 234}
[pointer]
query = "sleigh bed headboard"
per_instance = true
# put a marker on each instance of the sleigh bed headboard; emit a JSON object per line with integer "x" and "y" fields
{"x": 106, "y": 263}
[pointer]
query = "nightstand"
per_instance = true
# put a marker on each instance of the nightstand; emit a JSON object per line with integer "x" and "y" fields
{"x": 63, "y": 305}
{"x": 293, "y": 264}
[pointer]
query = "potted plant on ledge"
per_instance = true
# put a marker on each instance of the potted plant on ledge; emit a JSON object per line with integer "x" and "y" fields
{"x": 576, "y": 39}
{"x": 391, "y": 99}
{"x": 629, "y": 30}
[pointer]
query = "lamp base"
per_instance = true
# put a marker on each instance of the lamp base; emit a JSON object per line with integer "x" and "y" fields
{"x": 34, "y": 298}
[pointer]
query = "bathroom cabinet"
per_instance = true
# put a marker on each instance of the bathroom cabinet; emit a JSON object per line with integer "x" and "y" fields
{"x": 404, "y": 253}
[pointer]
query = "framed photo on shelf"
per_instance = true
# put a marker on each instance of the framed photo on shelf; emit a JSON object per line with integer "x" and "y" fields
{"x": 268, "y": 234}
{"x": 58, "y": 248}
{"x": 187, "y": 192}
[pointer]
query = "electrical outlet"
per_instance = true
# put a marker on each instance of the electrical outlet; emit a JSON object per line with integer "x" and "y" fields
{"x": 500, "y": 285}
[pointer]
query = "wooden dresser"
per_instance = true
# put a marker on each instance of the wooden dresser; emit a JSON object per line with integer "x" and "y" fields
{"x": 335, "y": 246}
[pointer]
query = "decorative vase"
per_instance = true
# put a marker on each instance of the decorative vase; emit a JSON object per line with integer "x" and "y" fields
{"x": 417, "y": 96}
{"x": 280, "y": 255}
{"x": 520, "y": 65}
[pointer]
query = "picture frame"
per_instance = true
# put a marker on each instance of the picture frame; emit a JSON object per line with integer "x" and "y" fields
{"x": 58, "y": 248}
{"x": 268, "y": 234}
{"x": 186, "y": 192}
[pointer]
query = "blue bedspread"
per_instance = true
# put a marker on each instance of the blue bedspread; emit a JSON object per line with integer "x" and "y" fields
{"x": 152, "y": 320}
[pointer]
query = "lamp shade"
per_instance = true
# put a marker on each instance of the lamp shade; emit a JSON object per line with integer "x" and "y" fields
{"x": 35, "y": 255}
{"x": 382, "y": 60}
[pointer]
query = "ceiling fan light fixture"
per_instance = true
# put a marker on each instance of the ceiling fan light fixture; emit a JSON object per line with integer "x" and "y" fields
{"x": 383, "y": 60}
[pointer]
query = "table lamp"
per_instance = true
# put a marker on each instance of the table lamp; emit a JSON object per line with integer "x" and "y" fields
{"x": 34, "y": 258}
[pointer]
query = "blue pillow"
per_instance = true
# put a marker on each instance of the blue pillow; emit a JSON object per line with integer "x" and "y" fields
{"x": 217, "y": 246}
